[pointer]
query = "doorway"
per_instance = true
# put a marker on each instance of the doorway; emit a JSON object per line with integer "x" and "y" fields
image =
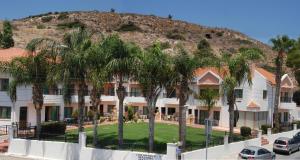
{"x": 52, "y": 113}
{"x": 23, "y": 115}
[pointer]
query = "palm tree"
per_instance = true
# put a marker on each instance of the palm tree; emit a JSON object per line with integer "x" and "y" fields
{"x": 184, "y": 67}
{"x": 121, "y": 65}
{"x": 152, "y": 75}
{"x": 12, "y": 92}
{"x": 283, "y": 45}
{"x": 73, "y": 66}
{"x": 97, "y": 76}
{"x": 31, "y": 69}
{"x": 238, "y": 71}
{"x": 209, "y": 96}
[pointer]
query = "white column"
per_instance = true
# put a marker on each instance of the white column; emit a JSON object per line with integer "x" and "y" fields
{"x": 82, "y": 139}
{"x": 295, "y": 126}
{"x": 269, "y": 132}
{"x": 171, "y": 151}
{"x": 10, "y": 133}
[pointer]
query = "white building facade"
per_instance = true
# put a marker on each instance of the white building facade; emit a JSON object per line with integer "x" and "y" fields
{"x": 254, "y": 102}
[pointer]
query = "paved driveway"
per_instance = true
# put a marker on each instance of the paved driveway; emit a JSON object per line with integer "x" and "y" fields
{"x": 6, "y": 157}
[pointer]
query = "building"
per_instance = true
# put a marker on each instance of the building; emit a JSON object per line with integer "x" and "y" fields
{"x": 254, "y": 103}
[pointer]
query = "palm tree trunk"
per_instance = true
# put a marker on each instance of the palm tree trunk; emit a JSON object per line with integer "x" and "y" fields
{"x": 121, "y": 96}
{"x": 81, "y": 106}
{"x": 231, "y": 101}
{"x": 38, "y": 121}
{"x": 279, "y": 62}
{"x": 183, "y": 97}
{"x": 95, "y": 127}
{"x": 151, "y": 108}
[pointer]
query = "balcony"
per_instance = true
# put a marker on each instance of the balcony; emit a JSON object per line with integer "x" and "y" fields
{"x": 286, "y": 99}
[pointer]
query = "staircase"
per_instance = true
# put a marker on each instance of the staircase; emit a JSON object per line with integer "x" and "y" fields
{"x": 4, "y": 146}
{"x": 264, "y": 141}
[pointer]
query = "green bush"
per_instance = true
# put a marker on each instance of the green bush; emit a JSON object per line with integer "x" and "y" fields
{"x": 129, "y": 27}
{"x": 69, "y": 25}
{"x": 296, "y": 122}
{"x": 63, "y": 15}
{"x": 245, "y": 131}
{"x": 264, "y": 128}
{"x": 130, "y": 112}
{"x": 165, "y": 45}
{"x": 90, "y": 115}
{"x": 75, "y": 114}
{"x": 176, "y": 36}
{"x": 53, "y": 128}
{"x": 40, "y": 26}
{"x": 46, "y": 19}
{"x": 102, "y": 119}
{"x": 220, "y": 34}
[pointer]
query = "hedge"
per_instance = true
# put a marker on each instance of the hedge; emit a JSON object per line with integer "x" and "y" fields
{"x": 265, "y": 127}
{"x": 53, "y": 128}
{"x": 245, "y": 131}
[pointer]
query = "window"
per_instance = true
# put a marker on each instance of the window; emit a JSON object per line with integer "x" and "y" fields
{"x": 5, "y": 112}
{"x": 135, "y": 92}
{"x": 145, "y": 110}
{"x": 203, "y": 90}
{"x": 4, "y": 84}
{"x": 265, "y": 94}
{"x": 111, "y": 91}
{"x": 216, "y": 115}
{"x": 285, "y": 116}
{"x": 190, "y": 111}
{"x": 261, "y": 152}
{"x": 238, "y": 93}
{"x": 110, "y": 108}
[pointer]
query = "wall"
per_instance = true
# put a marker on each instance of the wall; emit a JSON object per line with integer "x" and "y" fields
{"x": 215, "y": 152}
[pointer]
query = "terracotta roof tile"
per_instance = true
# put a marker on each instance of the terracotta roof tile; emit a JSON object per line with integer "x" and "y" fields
{"x": 253, "y": 105}
{"x": 9, "y": 54}
{"x": 201, "y": 71}
{"x": 268, "y": 75}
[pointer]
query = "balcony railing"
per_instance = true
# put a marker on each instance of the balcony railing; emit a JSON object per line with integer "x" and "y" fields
{"x": 286, "y": 99}
{"x": 165, "y": 95}
{"x": 53, "y": 92}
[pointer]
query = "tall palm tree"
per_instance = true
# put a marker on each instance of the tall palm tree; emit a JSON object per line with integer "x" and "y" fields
{"x": 31, "y": 69}
{"x": 152, "y": 75}
{"x": 72, "y": 66}
{"x": 184, "y": 67}
{"x": 97, "y": 76}
{"x": 238, "y": 71}
{"x": 121, "y": 65}
{"x": 283, "y": 45}
{"x": 12, "y": 92}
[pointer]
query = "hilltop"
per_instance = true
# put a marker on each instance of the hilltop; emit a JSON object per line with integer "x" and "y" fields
{"x": 141, "y": 29}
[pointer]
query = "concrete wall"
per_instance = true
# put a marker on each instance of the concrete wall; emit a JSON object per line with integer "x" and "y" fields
{"x": 221, "y": 151}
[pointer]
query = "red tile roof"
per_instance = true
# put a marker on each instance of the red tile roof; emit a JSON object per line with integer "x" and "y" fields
{"x": 201, "y": 71}
{"x": 268, "y": 75}
{"x": 9, "y": 54}
{"x": 253, "y": 105}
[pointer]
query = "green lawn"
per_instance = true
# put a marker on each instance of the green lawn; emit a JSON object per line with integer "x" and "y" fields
{"x": 136, "y": 136}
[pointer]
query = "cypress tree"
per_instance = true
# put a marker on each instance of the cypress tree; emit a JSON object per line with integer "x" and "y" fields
{"x": 7, "y": 40}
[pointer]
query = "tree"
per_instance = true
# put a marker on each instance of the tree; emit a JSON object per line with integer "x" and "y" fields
{"x": 293, "y": 60}
{"x": 7, "y": 40}
{"x": 97, "y": 76}
{"x": 209, "y": 96}
{"x": 12, "y": 92}
{"x": 152, "y": 75}
{"x": 283, "y": 45}
{"x": 72, "y": 65}
{"x": 121, "y": 65}
{"x": 184, "y": 67}
{"x": 31, "y": 69}
{"x": 237, "y": 71}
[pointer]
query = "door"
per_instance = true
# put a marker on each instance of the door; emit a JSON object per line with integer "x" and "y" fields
{"x": 23, "y": 118}
{"x": 196, "y": 116}
{"x": 203, "y": 116}
{"x": 101, "y": 110}
{"x": 52, "y": 113}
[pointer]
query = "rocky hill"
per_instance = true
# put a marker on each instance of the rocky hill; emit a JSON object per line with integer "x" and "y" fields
{"x": 141, "y": 29}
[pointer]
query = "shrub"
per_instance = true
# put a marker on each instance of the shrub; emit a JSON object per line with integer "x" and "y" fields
{"x": 242, "y": 41}
{"x": 220, "y": 34}
{"x": 130, "y": 113}
{"x": 40, "y": 26}
{"x": 53, "y": 128}
{"x": 203, "y": 44}
{"x": 69, "y": 25}
{"x": 296, "y": 122}
{"x": 75, "y": 114}
{"x": 165, "y": 45}
{"x": 175, "y": 35}
{"x": 170, "y": 16}
{"x": 208, "y": 36}
{"x": 245, "y": 131}
{"x": 46, "y": 19}
{"x": 129, "y": 27}
{"x": 102, "y": 119}
{"x": 63, "y": 15}
{"x": 90, "y": 115}
{"x": 264, "y": 128}
{"x": 112, "y": 10}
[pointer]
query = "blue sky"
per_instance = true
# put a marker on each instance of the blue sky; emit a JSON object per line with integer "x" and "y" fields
{"x": 260, "y": 19}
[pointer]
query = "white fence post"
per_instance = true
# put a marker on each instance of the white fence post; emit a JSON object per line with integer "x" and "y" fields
{"x": 269, "y": 132}
{"x": 171, "y": 151}
{"x": 10, "y": 133}
{"x": 82, "y": 139}
{"x": 226, "y": 140}
{"x": 259, "y": 134}
{"x": 295, "y": 126}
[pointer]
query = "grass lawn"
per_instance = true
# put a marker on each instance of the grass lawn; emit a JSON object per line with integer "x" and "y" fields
{"x": 136, "y": 136}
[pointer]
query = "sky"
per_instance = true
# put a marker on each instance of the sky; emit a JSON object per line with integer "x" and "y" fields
{"x": 259, "y": 19}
